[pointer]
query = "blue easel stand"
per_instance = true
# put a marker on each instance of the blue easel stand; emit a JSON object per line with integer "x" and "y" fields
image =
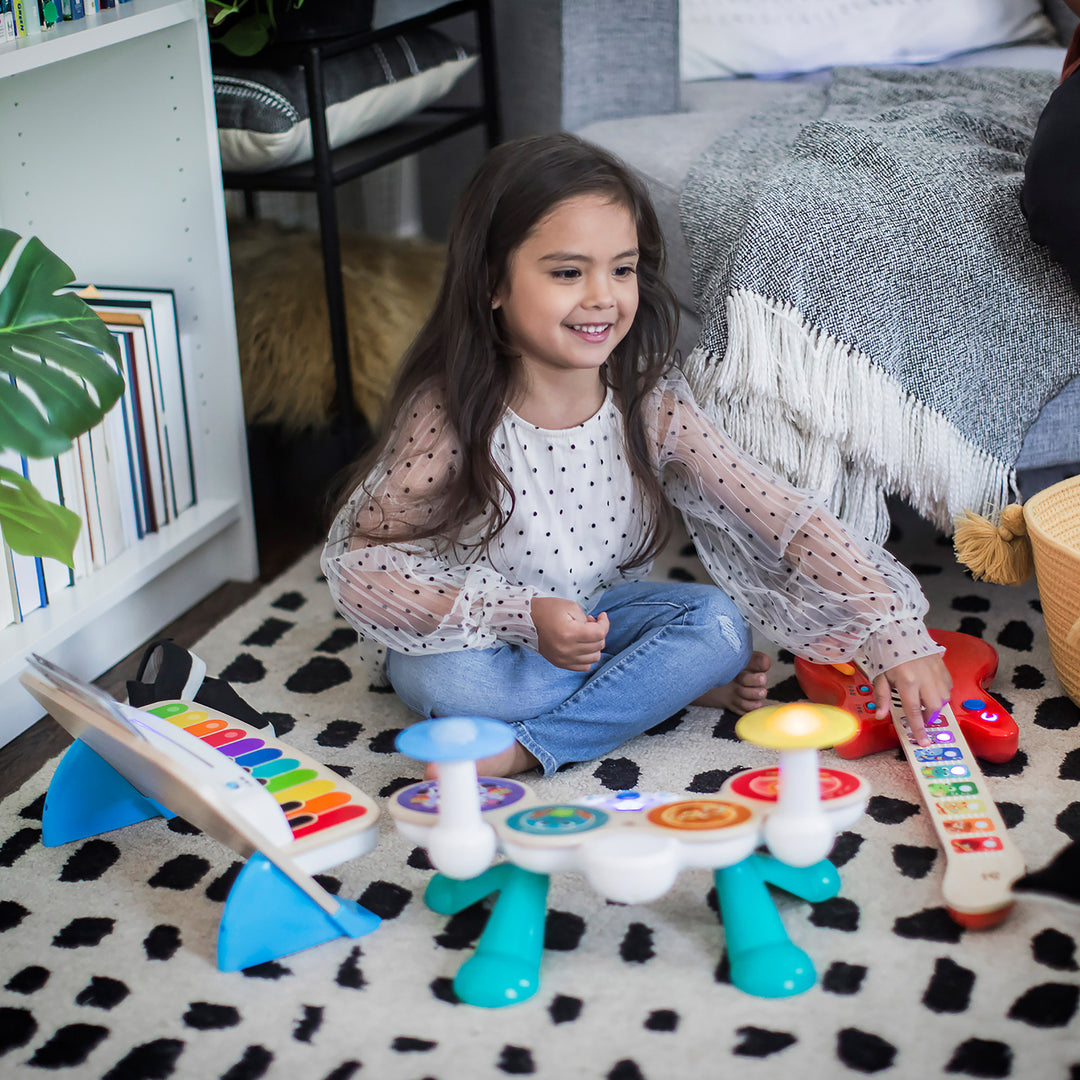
{"x": 505, "y": 968}
{"x": 764, "y": 961}
{"x": 88, "y": 796}
{"x": 267, "y": 916}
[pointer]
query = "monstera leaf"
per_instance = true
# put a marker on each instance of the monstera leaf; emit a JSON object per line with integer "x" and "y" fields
{"x": 58, "y": 378}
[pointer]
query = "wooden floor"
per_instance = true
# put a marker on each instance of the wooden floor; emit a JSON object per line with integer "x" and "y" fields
{"x": 282, "y": 539}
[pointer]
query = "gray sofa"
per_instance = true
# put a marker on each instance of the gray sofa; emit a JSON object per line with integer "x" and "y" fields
{"x": 609, "y": 70}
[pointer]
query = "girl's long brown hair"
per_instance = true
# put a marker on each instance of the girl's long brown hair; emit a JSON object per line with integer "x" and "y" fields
{"x": 463, "y": 354}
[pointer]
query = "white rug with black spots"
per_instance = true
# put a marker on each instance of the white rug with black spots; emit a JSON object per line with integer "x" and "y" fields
{"x": 107, "y": 945}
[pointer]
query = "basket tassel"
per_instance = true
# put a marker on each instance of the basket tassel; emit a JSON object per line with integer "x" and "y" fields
{"x": 998, "y": 553}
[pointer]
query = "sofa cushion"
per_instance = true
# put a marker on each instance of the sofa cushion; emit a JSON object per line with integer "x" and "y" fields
{"x": 722, "y": 38}
{"x": 263, "y": 117}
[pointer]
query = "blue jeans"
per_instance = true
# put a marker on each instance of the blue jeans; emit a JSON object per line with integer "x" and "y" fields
{"x": 668, "y": 643}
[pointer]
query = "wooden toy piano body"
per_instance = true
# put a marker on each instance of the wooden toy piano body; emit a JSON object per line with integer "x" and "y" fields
{"x": 128, "y": 765}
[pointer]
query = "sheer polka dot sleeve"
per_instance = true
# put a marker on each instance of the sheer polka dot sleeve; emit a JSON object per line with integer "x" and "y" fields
{"x": 413, "y": 596}
{"x": 796, "y": 573}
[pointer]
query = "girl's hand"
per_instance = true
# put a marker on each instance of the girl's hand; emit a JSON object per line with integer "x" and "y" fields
{"x": 924, "y": 686}
{"x": 565, "y": 635}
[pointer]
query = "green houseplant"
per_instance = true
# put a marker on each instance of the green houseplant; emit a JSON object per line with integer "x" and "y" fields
{"x": 58, "y": 377}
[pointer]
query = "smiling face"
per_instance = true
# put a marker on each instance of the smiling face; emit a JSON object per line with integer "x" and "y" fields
{"x": 570, "y": 293}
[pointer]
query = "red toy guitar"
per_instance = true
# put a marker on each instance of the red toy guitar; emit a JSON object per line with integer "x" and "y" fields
{"x": 989, "y": 730}
{"x": 981, "y": 862}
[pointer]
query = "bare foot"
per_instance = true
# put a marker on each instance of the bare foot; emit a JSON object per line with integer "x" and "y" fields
{"x": 744, "y": 693}
{"x": 509, "y": 762}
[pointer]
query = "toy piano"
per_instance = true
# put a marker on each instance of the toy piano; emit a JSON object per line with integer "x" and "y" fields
{"x": 981, "y": 861}
{"x": 630, "y": 847}
{"x": 286, "y": 814}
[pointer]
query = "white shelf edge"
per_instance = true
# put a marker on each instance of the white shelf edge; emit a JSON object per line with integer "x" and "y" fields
{"x": 96, "y": 31}
{"x": 67, "y": 631}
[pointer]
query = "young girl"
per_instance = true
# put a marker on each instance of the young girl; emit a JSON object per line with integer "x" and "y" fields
{"x": 495, "y": 537}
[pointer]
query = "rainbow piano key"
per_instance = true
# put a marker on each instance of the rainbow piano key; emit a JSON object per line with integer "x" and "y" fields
{"x": 313, "y": 797}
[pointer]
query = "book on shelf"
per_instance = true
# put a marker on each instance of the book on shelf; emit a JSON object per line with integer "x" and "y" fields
{"x": 131, "y": 474}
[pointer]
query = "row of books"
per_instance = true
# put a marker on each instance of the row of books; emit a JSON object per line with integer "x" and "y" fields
{"x": 25, "y": 18}
{"x": 129, "y": 476}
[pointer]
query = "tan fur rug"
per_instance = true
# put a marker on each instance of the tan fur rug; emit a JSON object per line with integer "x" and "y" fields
{"x": 286, "y": 361}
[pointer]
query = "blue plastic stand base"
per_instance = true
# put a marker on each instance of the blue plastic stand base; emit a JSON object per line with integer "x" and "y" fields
{"x": 764, "y": 961}
{"x": 505, "y": 968}
{"x": 88, "y": 796}
{"x": 267, "y": 916}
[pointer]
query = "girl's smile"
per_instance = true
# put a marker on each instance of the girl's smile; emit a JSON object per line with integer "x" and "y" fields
{"x": 570, "y": 293}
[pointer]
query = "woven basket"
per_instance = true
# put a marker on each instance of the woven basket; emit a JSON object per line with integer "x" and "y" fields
{"x": 1053, "y": 522}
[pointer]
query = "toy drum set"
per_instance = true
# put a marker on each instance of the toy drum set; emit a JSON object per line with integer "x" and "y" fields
{"x": 630, "y": 846}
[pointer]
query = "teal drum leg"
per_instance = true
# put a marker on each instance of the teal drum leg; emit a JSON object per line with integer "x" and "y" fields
{"x": 267, "y": 916}
{"x": 764, "y": 961}
{"x": 814, "y": 883}
{"x": 88, "y": 796}
{"x": 505, "y": 969}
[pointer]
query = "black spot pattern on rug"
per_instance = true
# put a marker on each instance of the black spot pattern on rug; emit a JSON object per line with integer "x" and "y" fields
{"x": 724, "y": 728}
{"x": 982, "y": 1058}
{"x": 1050, "y": 1005}
{"x": 1070, "y": 766}
{"x": 162, "y": 942}
{"x": 28, "y": 981}
{"x": 206, "y": 1016}
{"x": 18, "y": 844}
{"x": 618, "y": 774}
{"x": 949, "y": 989}
{"x": 678, "y": 573}
{"x": 516, "y": 1061}
{"x": 842, "y": 978}
{"x": 385, "y": 899}
{"x": 270, "y": 969}
{"x": 33, "y": 810}
{"x": 914, "y": 861}
{"x": 670, "y": 724}
{"x": 1016, "y": 635}
{"x": 318, "y": 674}
{"x": 931, "y": 924}
{"x": 406, "y": 1044}
{"x": 180, "y": 873}
{"x": 1057, "y": 714}
{"x": 307, "y": 1026}
{"x": 863, "y": 1051}
{"x": 102, "y": 993}
{"x": 345, "y": 1071}
{"x": 839, "y": 913}
{"x": 1013, "y": 767}
{"x": 845, "y": 848}
{"x": 564, "y": 1009}
{"x": 886, "y": 810}
{"x": 17, "y": 1028}
{"x": 254, "y": 1063}
{"x": 1054, "y": 949}
{"x": 149, "y": 1061}
{"x": 218, "y": 889}
{"x": 289, "y": 601}
{"x": 383, "y": 743}
{"x": 1026, "y": 677}
{"x": 341, "y": 639}
{"x": 1011, "y": 813}
{"x": 625, "y": 1070}
{"x": 662, "y": 1020}
{"x": 269, "y": 633}
{"x": 244, "y": 669}
{"x": 760, "y": 1042}
{"x": 708, "y": 783}
{"x": 83, "y": 932}
{"x": 11, "y": 914}
{"x": 339, "y": 733}
{"x": 349, "y": 974}
{"x": 973, "y": 626}
{"x": 637, "y": 944}
{"x": 563, "y": 930}
{"x": 90, "y": 860}
{"x": 970, "y": 603}
{"x": 787, "y": 690}
{"x": 68, "y": 1046}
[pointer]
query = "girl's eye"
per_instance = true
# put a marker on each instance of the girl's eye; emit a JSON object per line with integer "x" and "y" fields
{"x": 625, "y": 271}
{"x": 569, "y": 274}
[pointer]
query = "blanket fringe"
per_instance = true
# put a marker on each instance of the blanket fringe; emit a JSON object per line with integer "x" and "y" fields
{"x": 821, "y": 413}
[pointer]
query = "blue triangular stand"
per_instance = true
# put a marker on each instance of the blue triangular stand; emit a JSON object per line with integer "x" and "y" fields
{"x": 267, "y": 916}
{"x": 88, "y": 796}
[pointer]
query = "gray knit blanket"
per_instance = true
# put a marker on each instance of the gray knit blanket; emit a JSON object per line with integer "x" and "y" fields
{"x": 876, "y": 319}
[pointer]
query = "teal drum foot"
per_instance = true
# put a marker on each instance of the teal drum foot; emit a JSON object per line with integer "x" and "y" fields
{"x": 778, "y": 969}
{"x": 267, "y": 916}
{"x": 492, "y": 980}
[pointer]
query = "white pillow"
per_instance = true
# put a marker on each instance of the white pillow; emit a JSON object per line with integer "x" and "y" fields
{"x": 262, "y": 113}
{"x": 722, "y": 38}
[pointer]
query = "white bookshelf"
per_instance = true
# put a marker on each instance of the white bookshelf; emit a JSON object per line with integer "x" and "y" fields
{"x": 108, "y": 153}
